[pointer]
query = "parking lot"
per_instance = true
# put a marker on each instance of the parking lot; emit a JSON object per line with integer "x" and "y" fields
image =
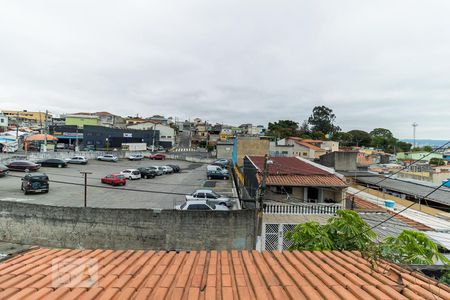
{"x": 162, "y": 192}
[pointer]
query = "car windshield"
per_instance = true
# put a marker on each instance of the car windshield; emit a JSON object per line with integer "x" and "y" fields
{"x": 120, "y": 176}
{"x": 215, "y": 194}
{"x": 38, "y": 178}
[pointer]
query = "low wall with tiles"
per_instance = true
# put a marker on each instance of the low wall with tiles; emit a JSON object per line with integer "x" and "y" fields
{"x": 75, "y": 227}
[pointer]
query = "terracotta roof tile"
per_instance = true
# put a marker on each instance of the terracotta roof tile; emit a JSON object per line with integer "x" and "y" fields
{"x": 212, "y": 275}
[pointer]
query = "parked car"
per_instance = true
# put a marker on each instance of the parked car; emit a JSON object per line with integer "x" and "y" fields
{"x": 53, "y": 162}
{"x": 147, "y": 172}
{"x": 210, "y": 196}
{"x": 167, "y": 169}
{"x": 78, "y": 160}
{"x": 35, "y": 183}
{"x": 136, "y": 157}
{"x": 88, "y": 148}
{"x": 201, "y": 205}
{"x": 108, "y": 157}
{"x": 157, "y": 156}
{"x": 3, "y": 170}
{"x": 23, "y": 165}
{"x": 216, "y": 168}
{"x": 224, "y": 163}
{"x": 217, "y": 175}
{"x": 114, "y": 179}
{"x": 176, "y": 168}
{"x": 131, "y": 174}
{"x": 158, "y": 170}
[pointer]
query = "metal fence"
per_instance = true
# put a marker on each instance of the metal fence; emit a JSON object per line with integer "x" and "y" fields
{"x": 301, "y": 209}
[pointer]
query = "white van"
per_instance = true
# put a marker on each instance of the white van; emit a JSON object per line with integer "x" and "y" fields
{"x": 210, "y": 168}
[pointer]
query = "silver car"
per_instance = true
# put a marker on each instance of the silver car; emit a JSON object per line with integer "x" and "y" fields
{"x": 210, "y": 196}
{"x": 108, "y": 157}
{"x": 201, "y": 205}
{"x": 78, "y": 160}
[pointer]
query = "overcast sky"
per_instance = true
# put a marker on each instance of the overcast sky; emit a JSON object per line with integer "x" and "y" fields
{"x": 375, "y": 63}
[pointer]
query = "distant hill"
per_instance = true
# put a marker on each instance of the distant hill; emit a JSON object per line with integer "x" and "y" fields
{"x": 425, "y": 142}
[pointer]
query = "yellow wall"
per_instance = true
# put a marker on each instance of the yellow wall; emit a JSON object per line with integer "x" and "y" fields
{"x": 29, "y": 115}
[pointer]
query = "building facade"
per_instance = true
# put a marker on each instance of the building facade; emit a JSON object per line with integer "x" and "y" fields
{"x": 101, "y": 137}
{"x": 167, "y": 134}
{"x": 3, "y": 122}
{"x": 82, "y": 120}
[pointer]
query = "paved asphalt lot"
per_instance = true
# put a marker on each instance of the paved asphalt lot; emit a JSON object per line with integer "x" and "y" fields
{"x": 192, "y": 176}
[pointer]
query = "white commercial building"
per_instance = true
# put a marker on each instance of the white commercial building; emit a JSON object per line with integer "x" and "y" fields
{"x": 3, "y": 122}
{"x": 166, "y": 133}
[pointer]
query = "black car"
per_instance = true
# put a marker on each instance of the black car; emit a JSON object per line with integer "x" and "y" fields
{"x": 3, "y": 170}
{"x": 35, "y": 183}
{"x": 53, "y": 162}
{"x": 23, "y": 165}
{"x": 147, "y": 173}
{"x": 176, "y": 168}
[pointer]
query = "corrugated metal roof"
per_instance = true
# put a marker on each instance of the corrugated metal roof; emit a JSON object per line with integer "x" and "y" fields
{"x": 420, "y": 217}
{"x": 392, "y": 227}
{"x": 106, "y": 274}
{"x": 442, "y": 238}
{"x": 442, "y": 195}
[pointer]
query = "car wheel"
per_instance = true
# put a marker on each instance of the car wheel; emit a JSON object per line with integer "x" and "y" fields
{"x": 59, "y": 166}
{"x": 46, "y": 191}
{"x": 223, "y": 203}
{"x": 225, "y": 177}
{"x": 209, "y": 177}
{"x": 25, "y": 192}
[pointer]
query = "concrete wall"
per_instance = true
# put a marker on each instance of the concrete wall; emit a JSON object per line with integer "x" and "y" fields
{"x": 251, "y": 147}
{"x": 224, "y": 151}
{"x": 76, "y": 227}
{"x": 340, "y": 161}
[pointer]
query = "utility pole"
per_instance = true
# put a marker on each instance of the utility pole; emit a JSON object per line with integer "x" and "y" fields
{"x": 45, "y": 130}
{"x": 153, "y": 138}
{"x": 85, "y": 173}
{"x": 261, "y": 192}
{"x": 414, "y": 125}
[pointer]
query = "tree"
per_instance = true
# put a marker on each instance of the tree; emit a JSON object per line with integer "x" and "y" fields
{"x": 403, "y": 146}
{"x": 304, "y": 130}
{"x": 383, "y": 139}
{"x": 344, "y": 138}
{"x": 283, "y": 129}
{"x": 435, "y": 161}
{"x": 348, "y": 231}
{"x": 360, "y": 138}
{"x": 322, "y": 119}
{"x": 411, "y": 247}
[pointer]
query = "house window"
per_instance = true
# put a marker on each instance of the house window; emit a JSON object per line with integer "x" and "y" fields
{"x": 282, "y": 190}
{"x": 2, "y": 120}
{"x": 305, "y": 153}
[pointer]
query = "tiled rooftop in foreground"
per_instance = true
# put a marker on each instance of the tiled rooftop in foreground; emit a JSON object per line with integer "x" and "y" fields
{"x": 107, "y": 274}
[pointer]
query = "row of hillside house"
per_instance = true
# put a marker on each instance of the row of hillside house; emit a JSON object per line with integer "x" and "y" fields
{"x": 293, "y": 180}
{"x": 306, "y": 148}
{"x": 250, "y": 129}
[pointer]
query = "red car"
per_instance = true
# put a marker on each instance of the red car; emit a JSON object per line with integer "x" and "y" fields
{"x": 114, "y": 179}
{"x": 158, "y": 156}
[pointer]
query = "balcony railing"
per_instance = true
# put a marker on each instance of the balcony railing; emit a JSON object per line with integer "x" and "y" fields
{"x": 302, "y": 209}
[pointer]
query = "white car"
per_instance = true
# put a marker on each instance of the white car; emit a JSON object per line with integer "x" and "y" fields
{"x": 167, "y": 169}
{"x": 136, "y": 157}
{"x": 211, "y": 196}
{"x": 78, "y": 160}
{"x": 201, "y": 205}
{"x": 131, "y": 174}
{"x": 108, "y": 157}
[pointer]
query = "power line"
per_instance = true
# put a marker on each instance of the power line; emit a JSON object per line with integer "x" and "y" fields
{"x": 120, "y": 188}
